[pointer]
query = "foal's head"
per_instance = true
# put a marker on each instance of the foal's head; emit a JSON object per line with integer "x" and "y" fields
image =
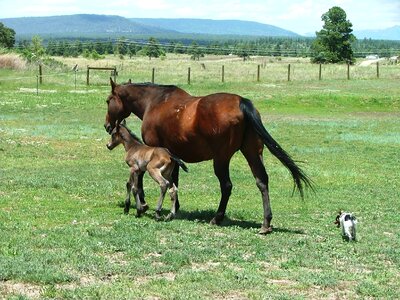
{"x": 116, "y": 138}
{"x": 122, "y": 135}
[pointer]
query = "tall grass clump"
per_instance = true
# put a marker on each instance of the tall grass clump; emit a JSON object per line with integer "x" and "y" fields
{"x": 12, "y": 61}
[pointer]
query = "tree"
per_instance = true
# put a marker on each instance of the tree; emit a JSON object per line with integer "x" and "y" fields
{"x": 153, "y": 49}
{"x": 242, "y": 50}
{"x": 333, "y": 42}
{"x": 7, "y": 36}
{"x": 195, "y": 51}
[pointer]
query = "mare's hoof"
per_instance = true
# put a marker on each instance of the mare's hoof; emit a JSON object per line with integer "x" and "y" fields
{"x": 157, "y": 216}
{"x": 215, "y": 221}
{"x": 126, "y": 211}
{"x": 265, "y": 230}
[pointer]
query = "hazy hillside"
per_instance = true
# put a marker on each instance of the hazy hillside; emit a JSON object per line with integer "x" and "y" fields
{"x": 392, "y": 33}
{"x": 77, "y": 24}
{"x": 206, "y": 26}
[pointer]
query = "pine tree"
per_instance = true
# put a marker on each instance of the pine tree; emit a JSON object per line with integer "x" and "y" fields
{"x": 333, "y": 42}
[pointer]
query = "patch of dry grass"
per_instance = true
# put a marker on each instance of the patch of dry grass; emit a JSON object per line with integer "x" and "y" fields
{"x": 12, "y": 61}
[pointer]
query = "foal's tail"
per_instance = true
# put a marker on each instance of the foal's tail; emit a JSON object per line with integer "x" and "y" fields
{"x": 180, "y": 162}
{"x": 252, "y": 116}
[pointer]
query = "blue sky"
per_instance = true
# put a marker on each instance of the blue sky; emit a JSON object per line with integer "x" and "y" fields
{"x": 301, "y": 16}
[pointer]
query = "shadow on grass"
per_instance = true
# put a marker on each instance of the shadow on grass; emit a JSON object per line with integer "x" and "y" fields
{"x": 205, "y": 216}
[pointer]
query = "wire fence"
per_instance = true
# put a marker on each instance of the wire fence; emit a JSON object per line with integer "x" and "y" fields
{"x": 201, "y": 72}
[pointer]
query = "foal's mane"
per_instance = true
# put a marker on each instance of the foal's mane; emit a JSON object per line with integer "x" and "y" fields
{"x": 134, "y": 136}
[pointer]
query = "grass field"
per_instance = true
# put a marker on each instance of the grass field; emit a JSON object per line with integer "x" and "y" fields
{"x": 63, "y": 234}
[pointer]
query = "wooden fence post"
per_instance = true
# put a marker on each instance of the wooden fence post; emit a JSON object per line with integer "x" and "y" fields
{"x": 348, "y": 71}
{"x": 223, "y": 73}
{"x": 258, "y": 73}
{"x": 188, "y": 75}
{"x": 288, "y": 73}
{"x": 152, "y": 75}
{"x": 40, "y": 74}
{"x": 87, "y": 76}
{"x": 377, "y": 69}
{"x": 320, "y": 72}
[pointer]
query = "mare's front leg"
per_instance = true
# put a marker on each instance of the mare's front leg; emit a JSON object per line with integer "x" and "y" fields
{"x": 175, "y": 181}
{"x": 221, "y": 169}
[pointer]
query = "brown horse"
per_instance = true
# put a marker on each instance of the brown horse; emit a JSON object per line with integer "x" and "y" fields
{"x": 203, "y": 128}
{"x": 159, "y": 162}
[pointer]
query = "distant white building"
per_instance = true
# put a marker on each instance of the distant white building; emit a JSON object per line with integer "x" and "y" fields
{"x": 394, "y": 59}
{"x": 372, "y": 56}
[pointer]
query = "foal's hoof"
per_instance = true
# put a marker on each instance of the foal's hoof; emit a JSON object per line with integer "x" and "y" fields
{"x": 169, "y": 217}
{"x": 265, "y": 230}
{"x": 157, "y": 216}
{"x": 144, "y": 208}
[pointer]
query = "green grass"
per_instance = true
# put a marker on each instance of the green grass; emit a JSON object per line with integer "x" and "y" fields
{"x": 63, "y": 233}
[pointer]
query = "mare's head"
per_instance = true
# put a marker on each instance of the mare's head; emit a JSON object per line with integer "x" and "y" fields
{"x": 116, "y": 111}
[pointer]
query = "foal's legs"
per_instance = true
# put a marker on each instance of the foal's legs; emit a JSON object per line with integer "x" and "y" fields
{"x": 128, "y": 196}
{"x": 142, "y": 205}
{"x": 141, "y": 193}
{"x": 221, "y": 170}
{"x": 173, "y": 192}
{"x": 140, "y": 209}
{"x": 164, "y": 184}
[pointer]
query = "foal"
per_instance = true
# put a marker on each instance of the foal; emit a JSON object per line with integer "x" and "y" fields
{"x": 159, "y": 162}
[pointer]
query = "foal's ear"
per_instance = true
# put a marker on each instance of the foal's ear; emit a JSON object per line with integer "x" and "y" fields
{"x": 113, "y": 84}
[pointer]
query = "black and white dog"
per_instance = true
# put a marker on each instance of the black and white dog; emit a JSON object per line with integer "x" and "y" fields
{"x": 347, "y": 222}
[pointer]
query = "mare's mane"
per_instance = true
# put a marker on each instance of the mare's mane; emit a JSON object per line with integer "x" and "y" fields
{"x": 154, "y": 85}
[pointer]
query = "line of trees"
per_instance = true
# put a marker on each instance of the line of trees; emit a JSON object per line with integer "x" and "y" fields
{"x": 295, "y": 47}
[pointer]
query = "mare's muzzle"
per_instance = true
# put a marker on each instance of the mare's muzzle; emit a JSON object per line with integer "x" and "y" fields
{"x": 108, "y": 128}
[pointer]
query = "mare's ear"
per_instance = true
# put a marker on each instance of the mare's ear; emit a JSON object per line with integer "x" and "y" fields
{"x": 113, "y": 84}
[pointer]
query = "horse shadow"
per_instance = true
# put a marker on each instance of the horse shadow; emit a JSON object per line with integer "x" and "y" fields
{"x": 205, "y": 216}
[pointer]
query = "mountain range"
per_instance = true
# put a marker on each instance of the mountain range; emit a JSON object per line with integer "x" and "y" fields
{"x": 89, "y": 25}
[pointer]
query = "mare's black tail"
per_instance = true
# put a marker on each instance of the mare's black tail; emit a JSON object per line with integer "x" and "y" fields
{"x": 253, "y": 118}
{"x": 179, "y": 162}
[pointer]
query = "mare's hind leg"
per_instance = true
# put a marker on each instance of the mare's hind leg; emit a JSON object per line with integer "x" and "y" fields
{"x": 221, "y": 170}
{"x": 253, "y": 155}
